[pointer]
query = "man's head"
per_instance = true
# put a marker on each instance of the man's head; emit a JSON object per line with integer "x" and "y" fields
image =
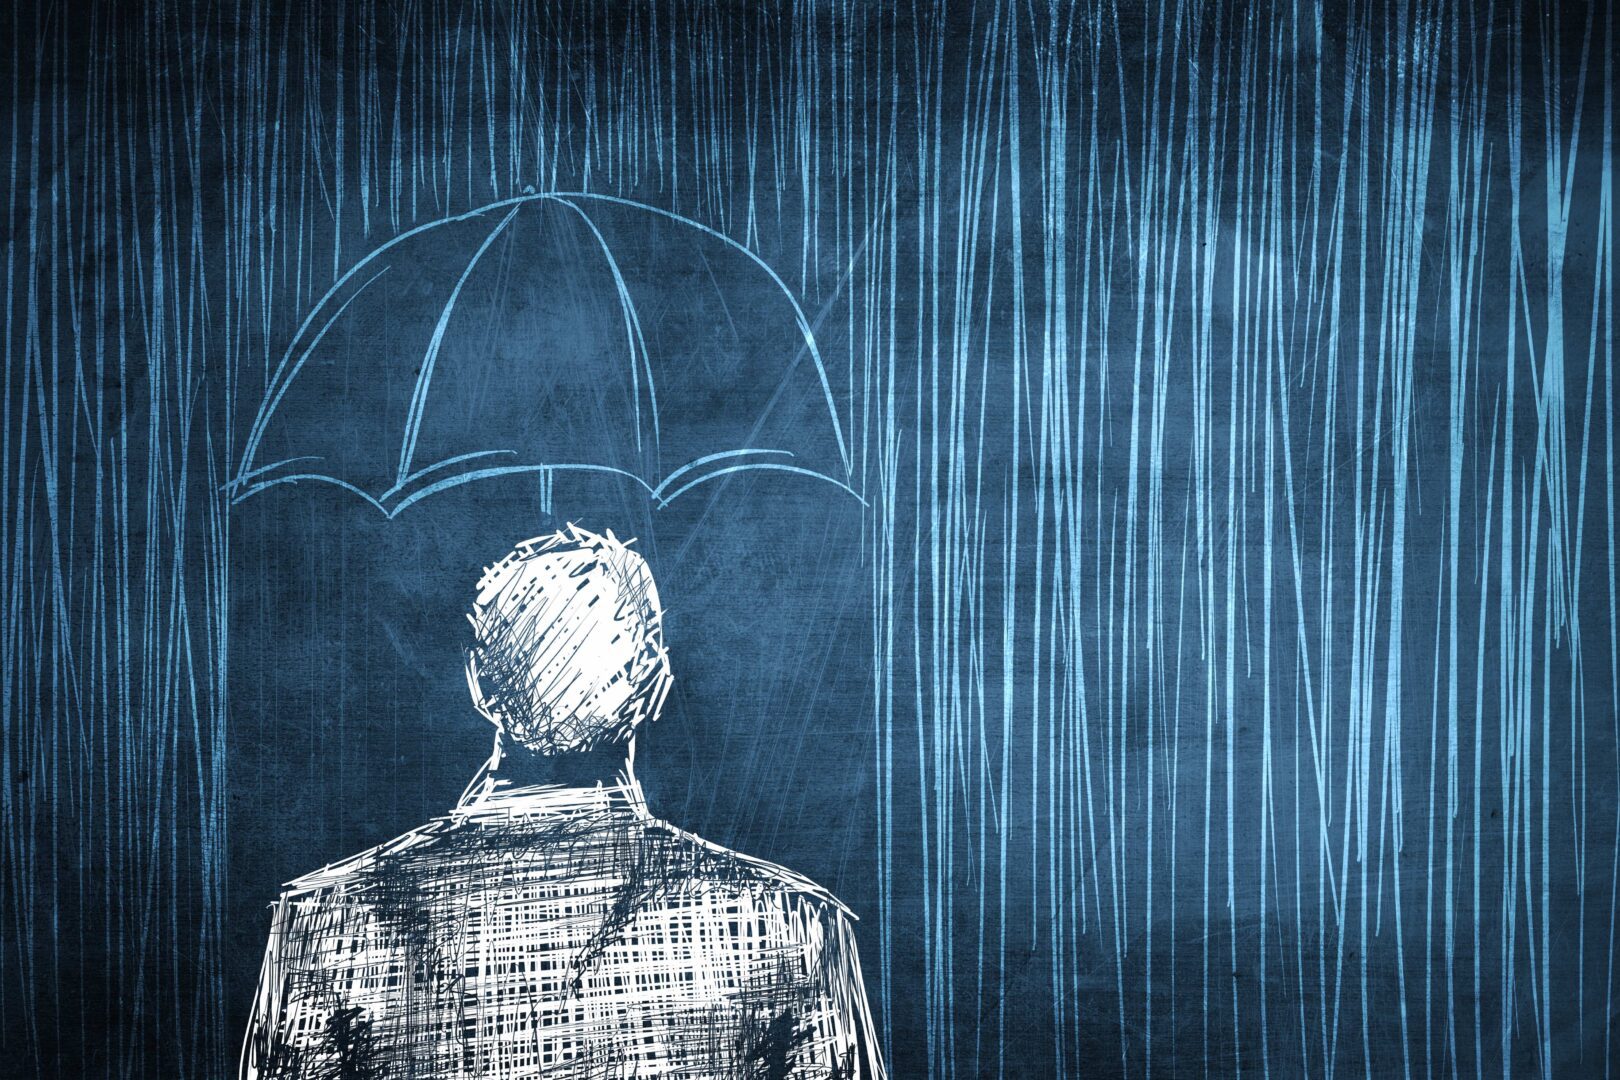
{"x": 568, "y": 643}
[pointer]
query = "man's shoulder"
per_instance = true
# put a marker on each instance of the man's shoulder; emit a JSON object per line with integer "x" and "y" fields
{"x": 338, "y": 877}
{"x": 678, "y": 857}
{"x": 714, "y": 865}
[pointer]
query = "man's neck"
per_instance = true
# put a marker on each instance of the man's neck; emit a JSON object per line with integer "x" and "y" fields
{"x": 516, "y": 766}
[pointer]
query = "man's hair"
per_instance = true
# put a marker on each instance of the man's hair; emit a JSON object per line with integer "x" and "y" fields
{"x": 568, "y": 643}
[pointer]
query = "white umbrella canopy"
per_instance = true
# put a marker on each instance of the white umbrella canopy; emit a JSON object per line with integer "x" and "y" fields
{"x": 542, "y": 336}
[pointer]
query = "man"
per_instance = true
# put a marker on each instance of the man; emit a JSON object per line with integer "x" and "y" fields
{"x": 549, "y": 925}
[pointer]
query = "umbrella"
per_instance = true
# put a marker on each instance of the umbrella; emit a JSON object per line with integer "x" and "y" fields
{"x": 514, "y": 339}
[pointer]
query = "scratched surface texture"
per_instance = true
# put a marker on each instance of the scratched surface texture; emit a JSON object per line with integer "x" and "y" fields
{"x": 1216, "y": 675}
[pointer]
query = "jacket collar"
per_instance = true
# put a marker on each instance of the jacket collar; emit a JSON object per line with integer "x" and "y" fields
{"x": 490, "y": 795}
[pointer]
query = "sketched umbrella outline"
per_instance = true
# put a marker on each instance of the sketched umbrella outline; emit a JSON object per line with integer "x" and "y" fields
{"x": 412, "y": 485}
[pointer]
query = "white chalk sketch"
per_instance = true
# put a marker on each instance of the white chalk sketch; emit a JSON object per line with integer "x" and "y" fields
{"x": 549, "y": 925}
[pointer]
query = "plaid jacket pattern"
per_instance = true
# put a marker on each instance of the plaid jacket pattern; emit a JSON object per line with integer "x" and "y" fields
{"x": 563, "y": 933}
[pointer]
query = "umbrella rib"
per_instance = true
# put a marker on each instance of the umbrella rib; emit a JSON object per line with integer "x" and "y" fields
{"x": 776, "y": 466}
{"x": 437, "y": 465}
{"x": 658, "y": 491}
{"x": 505, "y": 470}
{"x": 280, "y": 386}
{"x": 263, "y": 416}
{"x": 232, "y": 484}
{"x": 798, "y": 312}
{"x": 632, "y": 325}
{"x": 413, "y": 421}
{"x": 315, "y": 477}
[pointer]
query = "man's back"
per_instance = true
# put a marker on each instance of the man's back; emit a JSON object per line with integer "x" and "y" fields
{"x": 549, "y": 926}
{"x": 560, "y": 932}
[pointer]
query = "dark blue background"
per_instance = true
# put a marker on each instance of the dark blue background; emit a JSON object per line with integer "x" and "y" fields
{"x": 1219, "y": 675}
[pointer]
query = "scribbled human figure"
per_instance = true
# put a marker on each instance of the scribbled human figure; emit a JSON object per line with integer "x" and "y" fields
{"x": 549, "y": 925}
